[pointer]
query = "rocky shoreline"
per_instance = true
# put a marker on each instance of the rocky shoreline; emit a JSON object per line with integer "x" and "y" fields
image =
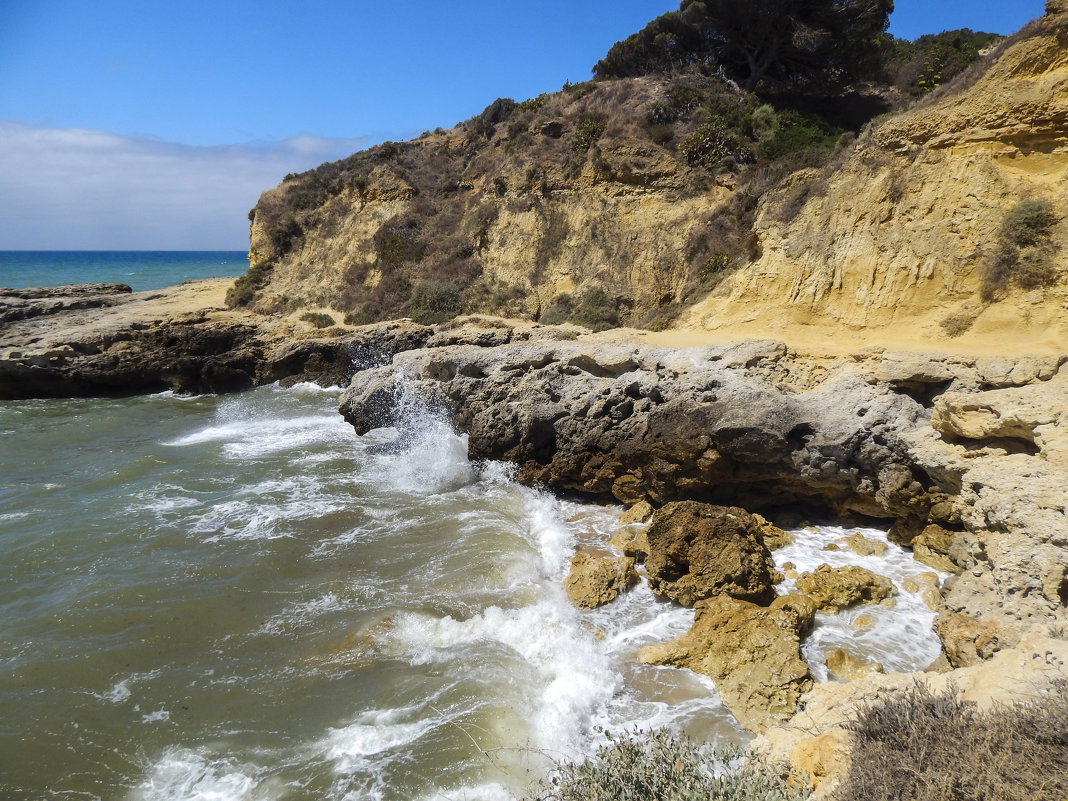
{"x": 966, "y": 459}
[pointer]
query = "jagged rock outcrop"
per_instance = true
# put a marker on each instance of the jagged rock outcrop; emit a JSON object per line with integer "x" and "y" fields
{"x": 1004, "y": 452}
{"x": 633, "y": 422}
{"x": 21, "y": 304}
{"x": 104, "y": 340}
{"x": 754, "y": 425}
{"x": 752, "y": 653}
{"x": 698, "y": 550}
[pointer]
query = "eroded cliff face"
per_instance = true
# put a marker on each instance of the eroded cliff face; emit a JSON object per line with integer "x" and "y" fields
{"x": 512, "y": 209}
{"x": 889, "y": 242}
{"x": 892, "y": 245}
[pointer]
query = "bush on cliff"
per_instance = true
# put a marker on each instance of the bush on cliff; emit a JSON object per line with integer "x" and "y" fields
{"x": 434, "y": 302}
{"x": 1024, "y": 252}
{"x": 935, "y": 747}
{"x": 661, "y": 766}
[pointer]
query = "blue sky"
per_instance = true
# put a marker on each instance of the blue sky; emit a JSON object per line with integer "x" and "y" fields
{"x": 153, "y": 124}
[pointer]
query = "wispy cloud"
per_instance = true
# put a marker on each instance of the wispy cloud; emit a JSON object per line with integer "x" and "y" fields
{"x": 68, "y": 188}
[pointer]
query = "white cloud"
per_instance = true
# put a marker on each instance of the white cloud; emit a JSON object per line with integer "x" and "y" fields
{"x": 73, "y": 189}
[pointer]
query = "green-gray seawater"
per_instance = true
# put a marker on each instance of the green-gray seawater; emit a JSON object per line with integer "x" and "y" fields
{"x": 238, "y": 599}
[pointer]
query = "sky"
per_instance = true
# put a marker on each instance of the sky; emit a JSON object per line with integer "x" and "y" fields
{"x": 155, "y": 124}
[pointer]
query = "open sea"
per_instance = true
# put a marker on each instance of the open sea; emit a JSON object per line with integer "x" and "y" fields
{"x": 140, "y": 269}
{"x": 239, "y": 599}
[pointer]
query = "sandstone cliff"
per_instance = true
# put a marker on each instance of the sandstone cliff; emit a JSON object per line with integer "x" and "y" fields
{"x": 530, "y": 206}
{"x": 892, "y": 245}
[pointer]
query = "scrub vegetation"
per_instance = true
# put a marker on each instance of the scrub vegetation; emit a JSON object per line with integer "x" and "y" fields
{"x": 695, "y": 95}
{"x": 927, "y": 746}
{"x": 661, "y": 766}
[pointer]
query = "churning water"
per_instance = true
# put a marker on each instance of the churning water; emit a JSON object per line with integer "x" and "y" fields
{"x": 216, "y": 599}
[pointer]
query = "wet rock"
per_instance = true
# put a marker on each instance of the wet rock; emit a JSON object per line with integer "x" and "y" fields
{"x": 932, "y": 548}
{"x": 835, "y": 588}
{"x": 630, "y": 541}
{"x": 862, "y": 546}
{"x": 595, "y": 580}
{"x": 773, "y": 536}
{"x": 863, "y": 623}
{"x": 847, "y": 667}
{"x": 801, "y": 608}
{"x": 752, "y": 653}
{"x": 700, "y": 550}
{"x": 638, "y": 513}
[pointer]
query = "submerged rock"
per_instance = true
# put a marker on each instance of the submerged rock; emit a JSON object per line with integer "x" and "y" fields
{"x": 752, "y": 653}
{"x": 698, "y": 550}
{"x": 847, "y": 667}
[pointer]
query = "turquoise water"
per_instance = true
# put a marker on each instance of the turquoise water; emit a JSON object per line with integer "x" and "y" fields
{"x": 142, "y": 270}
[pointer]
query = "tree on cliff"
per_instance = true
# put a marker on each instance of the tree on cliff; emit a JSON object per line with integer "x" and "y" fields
{"x": 797, "y": 43}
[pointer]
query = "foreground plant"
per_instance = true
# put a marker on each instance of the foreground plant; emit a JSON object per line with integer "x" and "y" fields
{"x": 661, "y": 766}
{"x": 926, "y": 746}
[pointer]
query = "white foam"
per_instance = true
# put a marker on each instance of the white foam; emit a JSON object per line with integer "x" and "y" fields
{"x": 303, "y": 614}
{"x": 372, "y": 733}
{"x": 901, "y": 639}
{"x": 159, "y": 716}
{"x": 261, "y": 511}
{"x": 121, "y": 691}
{"x": 184, "y": 775}
{"x": 252, "y": 437}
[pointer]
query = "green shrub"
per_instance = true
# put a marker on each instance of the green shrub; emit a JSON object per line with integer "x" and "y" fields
{"x": 1024, "y": 252}
{"x": 398, "y": 245}
{"x": 367, "y": 313}
{"x": 585, "y": 134}
{"x": 661, "y": 766}
{"x": 534, "y": 103}
{"x": 558, "y": 310}
{"x": 596, "y": 310}
{"x": 714, "y": 144}
{"x": 924, "y": 746}
{"x": 243, "y": 292}
{"x": 434, "y": 302}
{"x": 795, "y": 131}
{"x": 317, "y": 319}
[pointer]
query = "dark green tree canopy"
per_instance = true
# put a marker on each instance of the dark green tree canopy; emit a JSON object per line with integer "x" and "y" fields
{"x": 817, "y": 43}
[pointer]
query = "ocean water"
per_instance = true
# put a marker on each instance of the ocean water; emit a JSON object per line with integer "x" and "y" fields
{"x": 238, "y": 599}
{"x": 142, "y": 270}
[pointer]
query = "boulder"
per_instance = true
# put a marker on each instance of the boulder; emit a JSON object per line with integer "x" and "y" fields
{"x": 752, "y": 653}
{"x": 801, "y": 608}
{"x": 631, "y": 541}
{"x": 638, "y": 513}
{"x": 847, "y": 667}
{"x": 966, "y": 640}
{"x": 698, "y": 550}
{"x": 835, "y": 588}
{"x": 773, "y": 536}
{"x": 862, "y": 546}
{"x": 932, "y": 548}
{"x": 596, "y": 580}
